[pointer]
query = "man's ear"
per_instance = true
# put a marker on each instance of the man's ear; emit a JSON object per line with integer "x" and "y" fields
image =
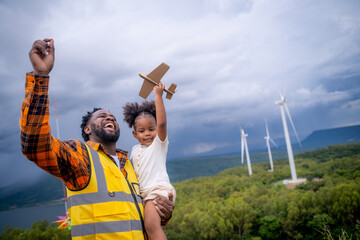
{"x": 87, "y": 130}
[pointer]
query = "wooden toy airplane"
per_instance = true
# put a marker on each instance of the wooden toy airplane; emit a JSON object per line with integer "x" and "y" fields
{"x": 152, "y": 79}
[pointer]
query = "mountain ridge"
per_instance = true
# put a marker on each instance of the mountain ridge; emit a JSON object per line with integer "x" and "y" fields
{"x": 331, "y": 136}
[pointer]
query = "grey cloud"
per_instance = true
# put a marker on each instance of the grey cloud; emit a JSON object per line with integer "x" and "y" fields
{"x": 229, "y": 58}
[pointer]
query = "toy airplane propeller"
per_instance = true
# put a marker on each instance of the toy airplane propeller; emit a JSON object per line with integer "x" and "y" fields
{"x": 152, "y": 79}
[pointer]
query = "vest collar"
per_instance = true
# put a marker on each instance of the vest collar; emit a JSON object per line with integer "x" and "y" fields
{"x": 97, "y": 146}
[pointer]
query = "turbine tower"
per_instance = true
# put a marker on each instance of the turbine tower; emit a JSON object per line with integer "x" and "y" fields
{"x": 245, "y": 146}
{"x": 268, "y": 140}
{"x": 283, "y": 108}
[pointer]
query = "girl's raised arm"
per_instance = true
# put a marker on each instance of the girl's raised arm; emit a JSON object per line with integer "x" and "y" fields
{"x": 160, "y": 111}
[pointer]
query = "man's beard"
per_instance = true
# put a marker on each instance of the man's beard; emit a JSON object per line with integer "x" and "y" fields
{"x": 102, "y": 134}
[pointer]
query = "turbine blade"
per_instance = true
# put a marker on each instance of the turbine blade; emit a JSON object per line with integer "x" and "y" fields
{"x": 242, "y": 150}
{"x": 292, "y": 123}
{"x": 240, "y": 126}
{"x": 267, "y": 129}
{"x": 273, "y": 142}
{"x": 242, "y": 143}
{"x": 282, "y": 96}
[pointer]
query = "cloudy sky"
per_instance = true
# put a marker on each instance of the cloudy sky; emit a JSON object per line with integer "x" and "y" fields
{"x": 230, "y": 60}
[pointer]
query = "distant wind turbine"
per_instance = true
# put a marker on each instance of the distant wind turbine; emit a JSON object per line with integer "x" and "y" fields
{"x": 283, "y": 106}
{"x": 268, "y": 140}
{"x": 245, "y": 146}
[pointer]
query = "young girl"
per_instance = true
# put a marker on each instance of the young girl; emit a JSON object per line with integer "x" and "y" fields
{"x": 149, "y": 157}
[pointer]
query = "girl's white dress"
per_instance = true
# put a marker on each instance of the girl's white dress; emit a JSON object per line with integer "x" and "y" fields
{"x": 150, "y": 167}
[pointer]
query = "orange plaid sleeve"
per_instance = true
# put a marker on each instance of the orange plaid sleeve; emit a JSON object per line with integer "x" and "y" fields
{"x": 66, "y": 160}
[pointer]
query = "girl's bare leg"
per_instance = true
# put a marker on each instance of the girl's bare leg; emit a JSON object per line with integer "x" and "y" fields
{"x": 153, "y": 222}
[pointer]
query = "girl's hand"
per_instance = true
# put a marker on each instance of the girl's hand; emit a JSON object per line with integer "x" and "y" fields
{"x": 158, "y": 90}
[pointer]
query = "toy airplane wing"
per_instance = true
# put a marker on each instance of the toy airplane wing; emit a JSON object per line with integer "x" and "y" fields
{"x": 152, "y": 79}
{"x": 146, "y": 89}
{"x": 158, "y": 72}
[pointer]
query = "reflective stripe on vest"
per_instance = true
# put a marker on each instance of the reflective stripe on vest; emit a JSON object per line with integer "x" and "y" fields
{"x": 99, "y": 197}
{"x": 107, "y": 227}
{"x": 96, "y": 210}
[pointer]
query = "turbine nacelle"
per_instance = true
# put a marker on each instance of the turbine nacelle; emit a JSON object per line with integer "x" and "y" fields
{"x": 280, "y": 102}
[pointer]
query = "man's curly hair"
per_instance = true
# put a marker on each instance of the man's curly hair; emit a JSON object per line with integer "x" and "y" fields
{"x": 84, "y": 122}
{"x": 133, "y": 110}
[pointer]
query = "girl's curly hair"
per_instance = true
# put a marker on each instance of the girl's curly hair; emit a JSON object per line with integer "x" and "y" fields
{"x": 133, "y": 110}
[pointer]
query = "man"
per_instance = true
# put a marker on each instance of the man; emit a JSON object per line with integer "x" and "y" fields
{"x": 103, "y": 195}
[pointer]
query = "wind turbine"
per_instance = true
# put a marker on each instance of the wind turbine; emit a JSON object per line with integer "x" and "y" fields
{"x": 283, "y": 108}
{"x": 268, "y": 140}
{"x": 245, "y": 146}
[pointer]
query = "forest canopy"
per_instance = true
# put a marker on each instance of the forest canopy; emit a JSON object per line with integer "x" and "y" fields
{"x": 234, "y": 205}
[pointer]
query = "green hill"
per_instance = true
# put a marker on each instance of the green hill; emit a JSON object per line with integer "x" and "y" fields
{"x": 232, "y": 205}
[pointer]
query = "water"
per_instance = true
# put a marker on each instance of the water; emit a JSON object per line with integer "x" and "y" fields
{"x": 24, "y": 217}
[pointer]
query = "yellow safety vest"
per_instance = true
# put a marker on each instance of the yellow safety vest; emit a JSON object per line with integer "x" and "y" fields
{"x": 109, "y": 207}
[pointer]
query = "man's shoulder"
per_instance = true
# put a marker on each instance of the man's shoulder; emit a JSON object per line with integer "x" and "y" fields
{"x": 123, "y": 152}
{"x": 75, "y": 145}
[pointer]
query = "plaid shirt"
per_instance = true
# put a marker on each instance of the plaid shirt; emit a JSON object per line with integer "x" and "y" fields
{"x": 66, "y": 160}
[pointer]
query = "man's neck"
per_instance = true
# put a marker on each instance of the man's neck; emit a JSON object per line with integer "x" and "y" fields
{"x": 109, "y": 147}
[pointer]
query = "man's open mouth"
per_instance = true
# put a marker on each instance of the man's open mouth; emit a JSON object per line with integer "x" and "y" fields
{"x": 109, "y": 125}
